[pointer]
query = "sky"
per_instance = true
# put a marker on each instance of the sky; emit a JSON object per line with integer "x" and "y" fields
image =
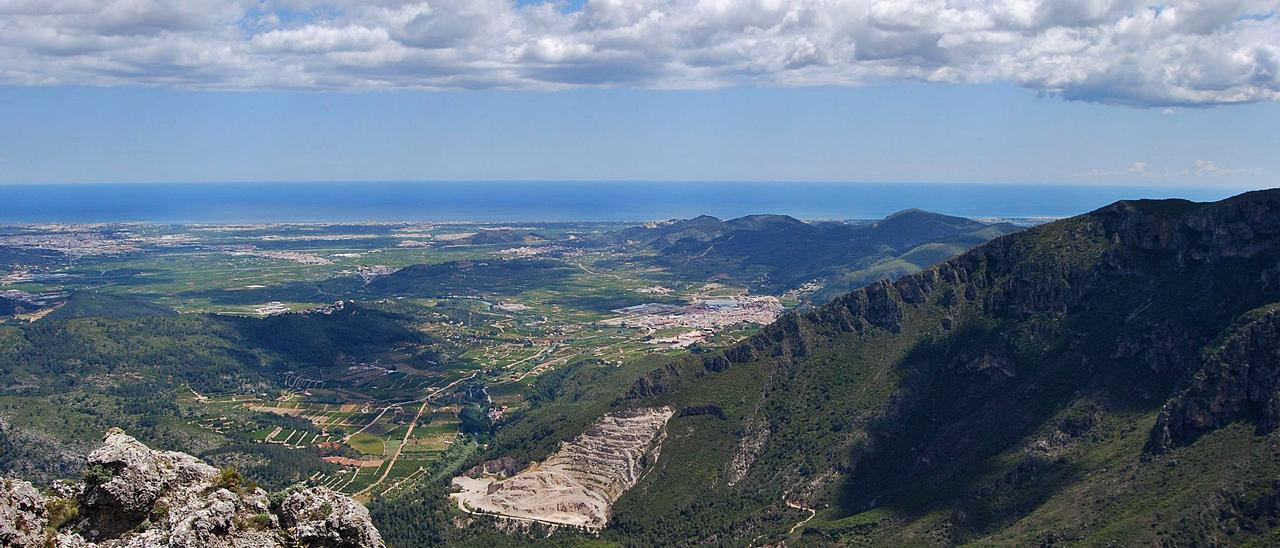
{"x": 1182, "y": 93}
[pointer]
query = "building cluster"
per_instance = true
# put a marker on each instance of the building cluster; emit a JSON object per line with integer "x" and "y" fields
{"x": 710, "y": 314}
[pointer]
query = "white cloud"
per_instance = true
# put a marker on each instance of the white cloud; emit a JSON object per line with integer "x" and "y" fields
{"x": 1176, "y": 53}
{"x": 1209, "y": 168}
{"x": 1198, "y": 169}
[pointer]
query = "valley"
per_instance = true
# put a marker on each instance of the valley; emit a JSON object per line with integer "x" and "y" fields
{"x": 372, "y": 358}
{"x": 668, "y": 383}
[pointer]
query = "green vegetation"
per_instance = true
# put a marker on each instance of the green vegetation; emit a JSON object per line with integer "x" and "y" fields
{"x": 98, "y": 475}
{"x": 86, "y": 304}
{"x": 229, "y": 479}
{"x": 60, "y": 511}
{"x": 449, "y": 344}
{"x": 366, "y": 443}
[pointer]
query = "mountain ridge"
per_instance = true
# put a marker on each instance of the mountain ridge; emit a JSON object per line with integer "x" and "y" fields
{"x": 779, "y": 253}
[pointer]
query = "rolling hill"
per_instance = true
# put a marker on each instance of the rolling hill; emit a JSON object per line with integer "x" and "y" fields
{"x": 775, "y": 253}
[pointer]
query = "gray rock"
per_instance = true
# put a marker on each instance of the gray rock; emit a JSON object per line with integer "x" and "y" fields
{"x": 320, "y": 517}
{"x": 139, "y": 477}
{"x": 199, "y": 523}
{"x": 22, "y": 514}
{"x": 72, "y": 540}
{"x": 141, "y": 498}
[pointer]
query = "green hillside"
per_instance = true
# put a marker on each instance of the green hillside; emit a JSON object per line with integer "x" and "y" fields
{"x": 1106, "y": 379}
{"x": 69, "y": 378}
{"x": 91, "y": 304}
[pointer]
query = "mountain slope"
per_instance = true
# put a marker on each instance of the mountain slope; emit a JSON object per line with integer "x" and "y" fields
{"x": 956, "y": 401}
{"x": 1106, "y": 378}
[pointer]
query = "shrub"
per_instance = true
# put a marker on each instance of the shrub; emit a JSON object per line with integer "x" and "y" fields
{"x": 60, "y": 512}
{"x": 230, "y": 479}
{"x": 274, "y": 500}
{"x": 98, "y": 475}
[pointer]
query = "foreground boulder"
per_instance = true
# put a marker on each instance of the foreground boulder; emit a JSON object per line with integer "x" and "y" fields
{"x": 22, "y": 514}
{"x": 133, "y": 496}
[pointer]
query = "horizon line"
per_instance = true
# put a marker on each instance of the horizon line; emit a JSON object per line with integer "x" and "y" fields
{"x": 1085, "y": 184}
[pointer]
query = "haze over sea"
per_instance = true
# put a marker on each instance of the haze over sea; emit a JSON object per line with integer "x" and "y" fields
{"x": 549, "y": 201}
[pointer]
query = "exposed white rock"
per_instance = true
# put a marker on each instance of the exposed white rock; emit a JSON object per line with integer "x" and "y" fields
{"x": 136, "y": 497}
{"x": 22, "y": 514}
{"x": 321, "y": 517}
{"x": 578, "y": 484}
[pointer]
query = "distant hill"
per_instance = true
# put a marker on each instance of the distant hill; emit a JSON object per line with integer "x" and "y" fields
{"x": 1109, "y": 379}
{"x": 777, "y": 252}
{"x": 323, "y": 338}
{"x": 658, "y": 236}
{"x": 92, "y": 304}
{"x": 11, "y": 257}
{"x": 501, "y": 276}
{"x": 501, "y": 236}
{"x": 65, "y": 376}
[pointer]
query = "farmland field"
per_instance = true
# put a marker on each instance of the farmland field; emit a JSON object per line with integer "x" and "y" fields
{"x": 479, "y": 313}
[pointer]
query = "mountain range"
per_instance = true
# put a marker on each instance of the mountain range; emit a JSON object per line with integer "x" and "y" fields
{"x": 1108, "y": 379}
{"x": 776, "y": 253}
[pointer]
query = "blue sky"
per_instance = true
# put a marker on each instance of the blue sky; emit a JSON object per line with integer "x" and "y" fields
{"x": 904, "y": 132}
{"x": 1026, "y": 91}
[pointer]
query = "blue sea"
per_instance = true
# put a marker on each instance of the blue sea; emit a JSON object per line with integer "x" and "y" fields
{"x": 548, "y": 201}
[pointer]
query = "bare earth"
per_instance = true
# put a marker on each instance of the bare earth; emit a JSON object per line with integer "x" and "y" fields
{"x": 577, "y": 484}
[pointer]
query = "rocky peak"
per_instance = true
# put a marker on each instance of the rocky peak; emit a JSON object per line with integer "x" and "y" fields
{"x": 133, "y": 496}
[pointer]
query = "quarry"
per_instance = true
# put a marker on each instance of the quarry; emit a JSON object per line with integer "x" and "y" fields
{"x": 577, "y": 485}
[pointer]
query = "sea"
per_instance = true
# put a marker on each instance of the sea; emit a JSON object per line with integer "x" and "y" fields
{"x": 551, "y": 201}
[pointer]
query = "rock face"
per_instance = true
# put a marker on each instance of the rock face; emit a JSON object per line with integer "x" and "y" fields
{"x": 577, "y": 484}
{"x": 22, "y": 514}
{"x": 127, "y": 480}
{"x": 136, "y": 497}
{"x": 320, "y": 517}
{"x": 1240, "y": 379}
{"x": 502, "y": 467}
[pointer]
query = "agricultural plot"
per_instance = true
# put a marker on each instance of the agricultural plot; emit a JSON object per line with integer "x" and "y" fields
{"x": 472, "y": 316}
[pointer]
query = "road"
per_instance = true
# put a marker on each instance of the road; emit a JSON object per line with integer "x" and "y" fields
{"x": 408, "y": 433}
{"x": 799, "y": 506}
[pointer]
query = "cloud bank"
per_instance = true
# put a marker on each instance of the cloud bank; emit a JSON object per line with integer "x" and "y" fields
{"x": 1198, "y": 169}
{"x": 1174, "y": 53}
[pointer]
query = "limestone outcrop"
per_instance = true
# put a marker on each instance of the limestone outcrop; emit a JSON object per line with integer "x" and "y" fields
{"x": 134, "y": 497}
{"x": 22, "y": 514}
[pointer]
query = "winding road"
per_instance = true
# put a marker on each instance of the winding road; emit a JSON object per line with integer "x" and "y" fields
{"x": 799, "y": 506}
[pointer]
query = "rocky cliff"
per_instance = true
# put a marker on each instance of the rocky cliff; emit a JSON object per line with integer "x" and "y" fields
{"x": 133, "y": 496}
{"x": 1240, "y": 379}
